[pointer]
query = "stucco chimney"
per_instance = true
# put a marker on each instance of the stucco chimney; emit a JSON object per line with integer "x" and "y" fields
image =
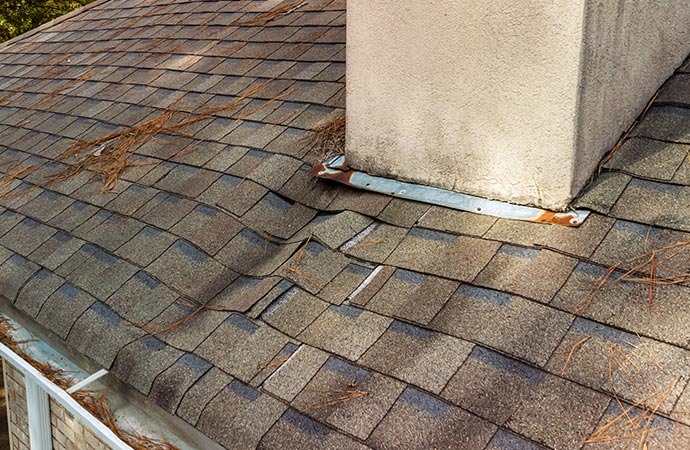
{"x": 509, "y": 100}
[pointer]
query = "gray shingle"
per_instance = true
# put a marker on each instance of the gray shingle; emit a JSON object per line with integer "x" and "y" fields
{"x": 358, "y": 416}
{"x": 208, "y": 228}
{"x": 626, "y": 305}
{"x": 428, "y": 251}
{"x": 295, "y": 430}
{"x": 139, "y": 363}
{"x": 198, "y": 396}
{"x": 537, "y": 274}
{"x": 417, "y": 356}
{"x": 295, "y": 372}
{"x": 655, "y": 204}
{"x": 100, "y": 333}
{"x": 170, "y": 386}
{"x": 233, "y": 194}
{"x": 412, "y": 296}
{"x": 241, "y": 347}
{"x": 513, "y": 324}
{"x": 639, "y": 365}
{"x": 491, "y": 385}
{"x": 649, "y": 158}
{"x": 559, "y": 413}
{"x": 191, "y": 271}
{"x": 345, "y": 330}
{"x": 63, "y": 308}
{"x": 240, "y": 415}
{"x": 420, "y": 421}
{"x": 293, "y": 311}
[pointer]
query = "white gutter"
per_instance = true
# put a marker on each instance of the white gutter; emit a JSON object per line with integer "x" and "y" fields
{"x": 38, "y": 389}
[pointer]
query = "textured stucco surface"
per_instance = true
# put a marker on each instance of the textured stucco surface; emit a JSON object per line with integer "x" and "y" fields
{"x": 510, "y": 100}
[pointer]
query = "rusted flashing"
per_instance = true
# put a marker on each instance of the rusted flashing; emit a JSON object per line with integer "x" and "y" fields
{"x": 336, "y": 169}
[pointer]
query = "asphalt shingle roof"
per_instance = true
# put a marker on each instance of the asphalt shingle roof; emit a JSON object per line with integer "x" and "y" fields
{"x": 442, "y": 329}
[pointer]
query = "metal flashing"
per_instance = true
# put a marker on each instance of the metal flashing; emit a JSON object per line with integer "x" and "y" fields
{"x": 336, "y": 169}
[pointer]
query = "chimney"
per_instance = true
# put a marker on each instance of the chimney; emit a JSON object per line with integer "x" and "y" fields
{"x": 503, "y": 99}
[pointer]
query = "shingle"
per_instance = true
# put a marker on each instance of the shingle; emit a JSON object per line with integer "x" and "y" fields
{"x": 63, "y": 308}
{"x": 580, "y": 241}
{"x": 198, "y": 396}
{"x": 227, "y": 156}
{"x": 295, "y": 372}
{"x": 537, "y": 274}
{"x": 655, "y": 204}
{"x": 99, "y": 272}
{"x": 170, "y": 386}
{"x": 363, "y": 202}
{"x": 602, "y": 194}
{"x": 293, "y": 311}
{"x": 75, "y": 214}
{"x": 345, "y": 283}
{"x": 131, "y": 199}
{"x": 233, "y": 194}
{"x": 313, "y": 266}
{"x": 626, "y": 305}
{"x": 429, "y": 251}
{"x": 559, "y": 413}
{"x": 26, "y": 236}
{"x": 141, "y": 298}
{"x": 8, "y": 219}
{"x": 412, "y": 296}
{"x": 495, "y": 319}
{"x": 417, "y": 356}
{"x": 93, "y": 192}
{"x": 337, "y": 229}
{"x": 165, "y": 210}
{"x": 243, "y": 293}
{"x": 56, "y": 250}
{"x": 14, "y": 272}
{"x": 457, "y": 222}
{"x": 358, "y": 416}
{"x": 46, "y": 206}
{"x": 109, "y": 230}
{"x": 628, "y": 240}
{"x": 37, "y": 290}
{"x": 649, "y": 158}
{"x": 275, "y": 171}
{"x": 504, "y": 440}
{"x": 309, "y": 191}
{"x": 146, "y": 246}
{"x": 187, "y": 180}
{"x": 139, "y": 363}
{"x": 644, "y": 365}
{"x": 403, "y": 213}
{"x": 665, "y": 434}
{"x": 375, "y": 243}
{"x": 345, "y": 330}
{"x": 665, "y": 123}
{"x": 199, "y": 153}
{"x": 295, "y": 430}
{"x": 100, "y": 333}
{"x": 183, "y": 266}
{"x": 240, "y": 346}
{"x": 208, "y": 228}
{"x": 251, "y": 254}
{"x": 239, "y": 416}
{"x": 420, "y": 421}
{"x": 253, "y": 134}
{"x": 271, "y": 367}
{"x": 491, "y": 385}
{"x": 277, "y": 216}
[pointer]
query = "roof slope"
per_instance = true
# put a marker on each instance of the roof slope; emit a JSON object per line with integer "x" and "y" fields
{"x": 329, "y": 318}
